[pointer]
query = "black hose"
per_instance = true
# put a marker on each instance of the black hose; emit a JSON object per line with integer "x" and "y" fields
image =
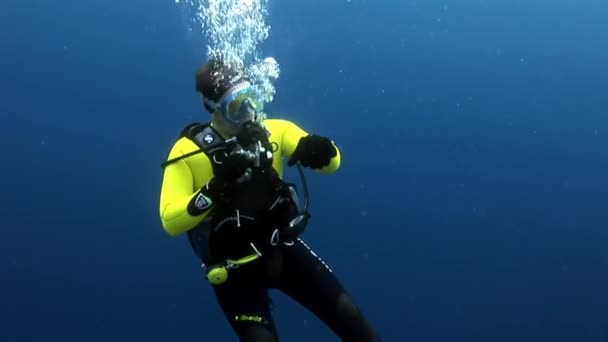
{"x": 304, "y": 186}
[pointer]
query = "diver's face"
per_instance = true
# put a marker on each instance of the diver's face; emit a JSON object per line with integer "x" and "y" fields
{"x": 226, "y": 127}
{"x": 240, "y": 111}
{"x": 235, "y": 111}
{"x": 233, "y": 118}
{"x": 222, "y": 125}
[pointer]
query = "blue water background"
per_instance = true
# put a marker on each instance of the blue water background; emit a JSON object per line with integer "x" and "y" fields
{"x": 472, "y": 202}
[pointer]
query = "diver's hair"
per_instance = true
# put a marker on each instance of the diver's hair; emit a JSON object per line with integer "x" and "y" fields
{"x": 214, "y": 78}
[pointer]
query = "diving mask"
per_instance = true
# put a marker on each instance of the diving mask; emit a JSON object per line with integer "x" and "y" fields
{"x": 237, "y": 106}
{"x": 240, "y": 110}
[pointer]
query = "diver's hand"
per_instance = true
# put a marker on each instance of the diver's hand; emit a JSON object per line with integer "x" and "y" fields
{"x": 313, "y": 151}
{"x": 235, "y": 167}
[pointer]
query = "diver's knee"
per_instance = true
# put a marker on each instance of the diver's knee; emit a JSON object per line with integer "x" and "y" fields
{"x": 358, "y": 328}
{"x": 346, "y": 308}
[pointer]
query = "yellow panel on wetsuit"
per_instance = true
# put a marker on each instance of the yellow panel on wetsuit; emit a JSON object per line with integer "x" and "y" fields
{"x": 183, "y": 179}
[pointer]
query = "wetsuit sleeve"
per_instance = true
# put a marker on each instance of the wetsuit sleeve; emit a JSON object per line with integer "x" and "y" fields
{"x": 290, "y": 136}
{"x": 178, "y": 195}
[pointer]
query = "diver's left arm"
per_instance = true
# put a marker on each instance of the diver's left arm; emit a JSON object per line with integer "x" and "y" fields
{"x": 310, "y": 150}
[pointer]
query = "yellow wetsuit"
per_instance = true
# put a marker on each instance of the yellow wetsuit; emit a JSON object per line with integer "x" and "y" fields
{"x": 183, "y": 179}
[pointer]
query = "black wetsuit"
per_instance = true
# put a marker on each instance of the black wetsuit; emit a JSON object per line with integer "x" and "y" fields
{"x": 289, "y": 266}
{"x": 299, "y": 273}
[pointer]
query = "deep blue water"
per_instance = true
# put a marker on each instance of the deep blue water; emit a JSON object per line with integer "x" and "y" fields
{"x": 472, "y": 202}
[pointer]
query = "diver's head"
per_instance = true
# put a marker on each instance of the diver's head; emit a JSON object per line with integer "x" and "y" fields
{"x": 227, "y": 95}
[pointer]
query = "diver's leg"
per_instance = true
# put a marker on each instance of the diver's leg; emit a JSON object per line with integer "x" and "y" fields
{"x": 243, "y": 297}
{"x": 247, "y": 308}
{"x": 309, "y": 281}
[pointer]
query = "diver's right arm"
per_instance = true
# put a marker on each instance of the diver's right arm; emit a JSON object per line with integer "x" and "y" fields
{"x": 182, "y": 205}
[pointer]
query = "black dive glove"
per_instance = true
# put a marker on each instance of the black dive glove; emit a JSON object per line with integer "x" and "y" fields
{"x": 234, "y": 169}
{"x": 313, "y": 151}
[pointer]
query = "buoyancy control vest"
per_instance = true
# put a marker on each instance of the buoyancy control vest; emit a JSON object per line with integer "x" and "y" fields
{"x": 264, "y": 212}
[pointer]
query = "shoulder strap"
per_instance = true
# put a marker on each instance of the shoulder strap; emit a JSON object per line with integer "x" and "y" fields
{"x": 204, "y": 136}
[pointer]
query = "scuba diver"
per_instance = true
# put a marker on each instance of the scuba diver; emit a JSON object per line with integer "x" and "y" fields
{"x": 222, "y": 185}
